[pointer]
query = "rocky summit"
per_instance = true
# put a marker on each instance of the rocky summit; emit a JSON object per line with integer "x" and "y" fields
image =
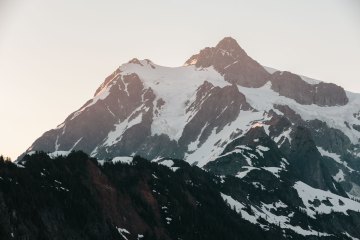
{"x": 284, "y": 148}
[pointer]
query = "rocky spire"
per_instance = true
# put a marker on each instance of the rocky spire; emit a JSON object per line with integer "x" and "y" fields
{"x": 230, "y": 60}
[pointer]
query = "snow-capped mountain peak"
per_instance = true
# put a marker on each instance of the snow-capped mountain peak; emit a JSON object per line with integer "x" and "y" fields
{"x": 197, "y": 111}
{"x": 283, "y": 149}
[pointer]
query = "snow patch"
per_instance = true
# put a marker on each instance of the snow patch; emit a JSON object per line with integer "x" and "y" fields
{"x": 242, "y": 174}
{"x": 116, "y": 135}
{"x": 339, "y": 177}
{"x": 168, "y": 163}
{"x": 58, "y": 154}
{"x": 339, "y": 204}
{"x": 274, "y": 170}
{"x": 104, "y": 93}
{"x": 265, "y": 213}
{"x": 122, "y": 232}
{"x": 348, "y": 235}
{"x": 282, "y": 137}
{"x": 126, "y": 160}
{"x": 212, "y": 148}
{"x": 335, "y": 157}
{"x": 121, "y": 159}
{"x": 262, "y": 148}
{"x": 31, "y": 153}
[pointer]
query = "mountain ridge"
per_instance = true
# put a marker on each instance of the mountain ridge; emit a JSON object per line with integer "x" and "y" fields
{"x": 132, "y": 198}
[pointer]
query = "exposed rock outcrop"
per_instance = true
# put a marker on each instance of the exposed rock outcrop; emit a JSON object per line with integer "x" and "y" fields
{"x": 215, "y": 107}
{"x": 307, "y": 162}
{"x": 323, "y": 94}
{"x": 229, "y": 59}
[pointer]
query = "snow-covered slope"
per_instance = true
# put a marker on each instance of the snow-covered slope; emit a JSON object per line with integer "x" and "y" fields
{"x": 172, "y": 117}
{"x": 318, "y": 201}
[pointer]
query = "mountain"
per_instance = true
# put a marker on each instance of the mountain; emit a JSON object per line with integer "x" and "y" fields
{"x": 197, "y": 111}
{"x": 229, "y": 115}
{"x": 77, "y": 197}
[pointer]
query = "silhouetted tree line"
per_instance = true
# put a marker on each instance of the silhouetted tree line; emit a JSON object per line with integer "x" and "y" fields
{"x": 75, "y": 197}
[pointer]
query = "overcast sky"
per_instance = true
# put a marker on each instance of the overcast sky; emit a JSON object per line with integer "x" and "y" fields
{"x": 54, "y": 54}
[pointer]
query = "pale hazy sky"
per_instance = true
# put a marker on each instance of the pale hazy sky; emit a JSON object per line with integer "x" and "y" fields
{"x": 55, "y": 53}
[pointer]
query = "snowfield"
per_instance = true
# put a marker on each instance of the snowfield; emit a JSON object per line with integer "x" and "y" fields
{"x": 264, "y": 213}
{"x": 337, "y": 203}
{"x": 172, "y": 118}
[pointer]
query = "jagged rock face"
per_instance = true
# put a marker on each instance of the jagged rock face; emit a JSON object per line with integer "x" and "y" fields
{"x": 335, "y": 147}
{"x": 88, "y": 126}
{"x": 229, "y": 59}
{"x": 324, "y": 136}
{"x": 307, "y": 161}
{"x": 215, "y": 107}
{"x": 328, "y": 138}
{"x": 337, "y": 95}
{"x": 322, "y": 94}
{"x": 254, "y": 149}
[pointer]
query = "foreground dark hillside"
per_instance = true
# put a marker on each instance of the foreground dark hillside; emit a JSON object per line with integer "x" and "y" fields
{"x": 76, "y": 198}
